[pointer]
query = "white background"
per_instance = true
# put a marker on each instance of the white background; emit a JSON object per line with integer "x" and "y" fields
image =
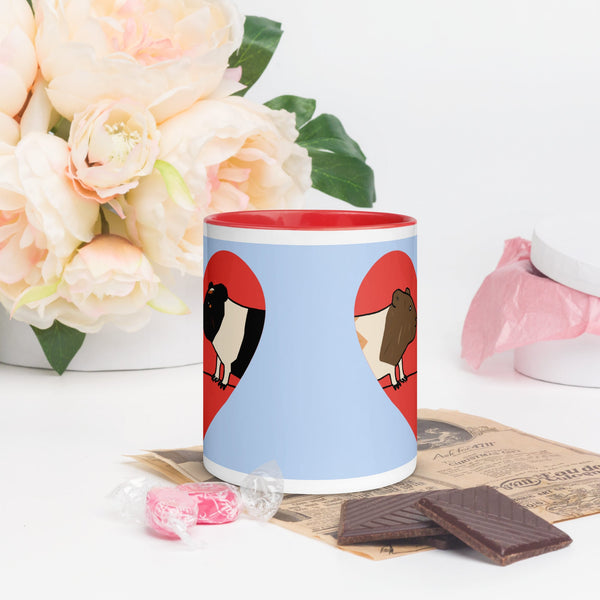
{"x": 479, "y": 118}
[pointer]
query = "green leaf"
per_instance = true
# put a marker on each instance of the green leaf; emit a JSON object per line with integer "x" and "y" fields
{"x": 261, "y": 37}
{"x": 60, "y": 344}
{"x": 304, "y": 108}
{"x": 176, "y": 186}
{"x": 345, "y": 177}
{"x": 62, "y": 129}
{"x": 326, "y": 132}
{"x": 104, "y": 225}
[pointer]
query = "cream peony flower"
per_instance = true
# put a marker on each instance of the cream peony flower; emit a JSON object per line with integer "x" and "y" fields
{"x": 18, "y": 63}
{"x": 52, "y": 206}
{"x": 39, "y": 115}
{"x": 233, "y": 155}
{"x": 108, "y": 280}
{"x": 42, "y": 221}
{"x": 112, "y": 145}
{"x": 22, "y": 247}
{"x": 9, "y": 133}
{"x": 164, "y": 53}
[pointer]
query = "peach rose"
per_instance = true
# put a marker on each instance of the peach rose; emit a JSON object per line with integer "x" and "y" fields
{"x": 42, "y": 220}
{"x": 39, "y": 115}
{"x": 112, "y": 144}
{"x": 166, "y": 54}
{"x": 9, "y": 133}
{"x": 22, "y": 247}
{"x": 108, "y": 280}
{"x": 18, "y": 63}
{"x": 53, "y": 207}
{"x": 233, "y": 155}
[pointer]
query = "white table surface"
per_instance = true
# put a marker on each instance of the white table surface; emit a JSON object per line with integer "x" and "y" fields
{"x": 63, "y": 441}
{"x": 479, "y": 119}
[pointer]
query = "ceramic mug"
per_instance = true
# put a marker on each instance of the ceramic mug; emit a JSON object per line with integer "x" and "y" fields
{"x": 310, "y": 358}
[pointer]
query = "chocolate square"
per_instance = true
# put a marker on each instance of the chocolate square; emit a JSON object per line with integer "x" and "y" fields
{"x": 441, "y": 542}
{"x": 382, "y": 518}
{"x": 492, "y": 523}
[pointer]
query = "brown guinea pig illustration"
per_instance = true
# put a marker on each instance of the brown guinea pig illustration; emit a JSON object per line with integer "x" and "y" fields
{"x": 385, "y": 335}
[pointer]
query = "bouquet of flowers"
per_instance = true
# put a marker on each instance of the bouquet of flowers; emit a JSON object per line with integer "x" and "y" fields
{"x": 123, "y": 123}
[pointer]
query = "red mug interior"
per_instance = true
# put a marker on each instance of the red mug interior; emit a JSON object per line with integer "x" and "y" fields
{"x": 310, "y": 220}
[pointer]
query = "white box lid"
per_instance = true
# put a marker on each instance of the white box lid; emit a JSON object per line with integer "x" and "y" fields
{"x": 566, "y": 248}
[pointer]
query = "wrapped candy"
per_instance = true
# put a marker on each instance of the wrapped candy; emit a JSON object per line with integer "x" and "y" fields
{"x": 129, "y": 498}
{"x": 262, "y": 491}
{"x": 217, "y": 503}
{"x": 171, "y": 511}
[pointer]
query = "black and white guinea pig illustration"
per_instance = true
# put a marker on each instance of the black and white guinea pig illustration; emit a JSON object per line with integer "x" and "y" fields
{"x": 384, "y": 336}
{"x": 233, "y": 330}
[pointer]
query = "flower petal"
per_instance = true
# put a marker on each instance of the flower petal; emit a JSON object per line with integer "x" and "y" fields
{"x": 176, "y": 186}
{"x": 34, "y": 294}
{"x": 167, "y": 302}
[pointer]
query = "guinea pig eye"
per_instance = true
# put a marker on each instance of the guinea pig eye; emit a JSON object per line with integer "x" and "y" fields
{"x": 410, "y": 307}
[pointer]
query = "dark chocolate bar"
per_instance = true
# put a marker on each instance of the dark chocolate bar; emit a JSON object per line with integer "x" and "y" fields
{"x": 492, "y": 523}
{"x": 442, "y": 542}
{"x": 384, "y": 518}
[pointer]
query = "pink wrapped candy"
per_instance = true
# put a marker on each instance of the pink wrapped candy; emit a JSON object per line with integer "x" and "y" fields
{"x": 216, "y": 502}
{"x": 170, "y": 511}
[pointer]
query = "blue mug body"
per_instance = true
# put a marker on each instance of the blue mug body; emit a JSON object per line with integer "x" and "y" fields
{"x": 310, "y": 322}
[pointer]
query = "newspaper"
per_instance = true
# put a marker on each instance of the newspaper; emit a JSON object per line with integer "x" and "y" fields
{"x": 455, "y": 450}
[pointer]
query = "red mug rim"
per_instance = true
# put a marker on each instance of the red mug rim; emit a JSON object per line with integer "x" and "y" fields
{"x": 310, "y": 220}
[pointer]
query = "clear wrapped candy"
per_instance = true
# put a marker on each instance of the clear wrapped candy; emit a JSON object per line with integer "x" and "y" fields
{"x": 217, "y": 502}
{"x": 171, "y": 511}
{"x": 129, "y": 498}
{"x": 262, "y": 491}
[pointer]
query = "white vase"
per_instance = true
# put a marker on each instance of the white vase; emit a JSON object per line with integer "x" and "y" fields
{"x": 166, "y": 341}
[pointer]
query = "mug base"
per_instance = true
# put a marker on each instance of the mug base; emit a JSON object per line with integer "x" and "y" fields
{"x": 322, "y": 486}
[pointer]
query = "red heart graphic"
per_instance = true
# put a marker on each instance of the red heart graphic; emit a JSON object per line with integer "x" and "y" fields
{"x": 234, "y": 309}
{"x": 386, "y": 321}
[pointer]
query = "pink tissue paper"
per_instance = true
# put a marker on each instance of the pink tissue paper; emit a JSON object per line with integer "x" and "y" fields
{"x": 517, "y": 305}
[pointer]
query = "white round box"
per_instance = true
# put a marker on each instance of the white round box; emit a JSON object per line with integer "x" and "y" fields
{"x": 566, "y": 249}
